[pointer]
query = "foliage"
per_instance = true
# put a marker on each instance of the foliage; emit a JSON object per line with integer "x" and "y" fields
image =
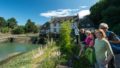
{"x": 30, "y": 27}
{"x": 49, "y": 63}
{"x": 106, "y": 11}
{"x": 28, "y": 59}
{"x": 65, "y": 39}
{"x": 18, "y": 30}
{"x": 4, "y": 29}
{"x": 116, "y": 29}
{"x": 2, "y": 22}
{"x": 11, "y": 23}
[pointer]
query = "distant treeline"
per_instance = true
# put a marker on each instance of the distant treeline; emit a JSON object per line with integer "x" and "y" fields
{"x": 11, "y": 26}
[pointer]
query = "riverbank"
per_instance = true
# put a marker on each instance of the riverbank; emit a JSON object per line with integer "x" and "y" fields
{"x": 41, "y": 56}
{"x": 20, "y": 38}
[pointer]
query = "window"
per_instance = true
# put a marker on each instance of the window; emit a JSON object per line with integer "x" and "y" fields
{"x": 54, "y": 24}
{"x": 88, "y": 25}
{"x": 55, "y": 30}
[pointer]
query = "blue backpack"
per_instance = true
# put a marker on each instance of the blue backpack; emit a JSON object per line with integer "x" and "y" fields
{"x": 112, "y": 36}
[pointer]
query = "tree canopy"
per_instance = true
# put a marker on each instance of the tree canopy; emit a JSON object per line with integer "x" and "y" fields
{"x": 12, "y": 23}
{"x": 106, "y": 11}
{"x": 31, "y": 27}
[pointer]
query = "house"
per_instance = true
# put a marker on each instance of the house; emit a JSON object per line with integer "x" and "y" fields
{"x": 56, "y": 21}
{"x": 53, "y": 26}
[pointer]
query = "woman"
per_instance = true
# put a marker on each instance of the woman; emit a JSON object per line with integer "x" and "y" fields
{"x": 103, "y": 50}
{"x": 89, "y": 41}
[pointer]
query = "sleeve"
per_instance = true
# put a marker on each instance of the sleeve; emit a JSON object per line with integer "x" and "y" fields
{"x": 115, "y": 37}
{"x": 109, "y": 49}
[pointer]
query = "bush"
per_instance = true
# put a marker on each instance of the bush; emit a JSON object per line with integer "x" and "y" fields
{"x": 116, "y": 29}
{"x": 31, "y": 27}
{"x": 18, "y": 30}
{"x": 5, "y": 30}
{"x": 65, "y": 38}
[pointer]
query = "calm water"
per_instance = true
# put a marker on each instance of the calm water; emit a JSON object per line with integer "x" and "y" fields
{"x": 7, "y": 49}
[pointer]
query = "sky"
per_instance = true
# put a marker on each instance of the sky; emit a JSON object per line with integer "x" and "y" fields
{"x": 41, "y": 11}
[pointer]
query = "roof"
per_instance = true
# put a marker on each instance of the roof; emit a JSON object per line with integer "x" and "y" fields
{"x": 60, "y": 19}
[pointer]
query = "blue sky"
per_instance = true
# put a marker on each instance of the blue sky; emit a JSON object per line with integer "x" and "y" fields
{"x": 41, "y": 11}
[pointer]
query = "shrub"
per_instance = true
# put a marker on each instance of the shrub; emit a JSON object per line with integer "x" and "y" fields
{"x": 5, "y": 30}
{"x": 18, "y": 30}
{"x": 65, "y": 39}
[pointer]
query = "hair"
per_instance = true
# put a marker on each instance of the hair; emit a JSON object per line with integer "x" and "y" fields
{"x": 82, "y": 29}
{"x": 104, "y": 25}
{"x": 102, "y": 32}
{"x": 88, "y": 32}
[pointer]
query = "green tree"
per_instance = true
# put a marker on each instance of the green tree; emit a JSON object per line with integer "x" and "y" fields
{"x": 12, "y": 23}
{"x": 18, "y": 30}
{"x": 106, "y": 11}
{"x": 65, "y": 39}
{"x": 96, "y": 11}
{"x": 116, "y": 29}
{"x": 30, "y": 27}
{"x": 2, "y": 22}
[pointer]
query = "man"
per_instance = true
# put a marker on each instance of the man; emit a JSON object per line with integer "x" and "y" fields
{"x": 113, "y": 39}
{"x": 82, "y": 35}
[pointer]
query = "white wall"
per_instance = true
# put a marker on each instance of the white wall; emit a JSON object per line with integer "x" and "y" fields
{"x": 52, "y": 27}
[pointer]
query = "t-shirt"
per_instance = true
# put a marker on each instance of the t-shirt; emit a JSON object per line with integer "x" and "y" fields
{"x": 101, "y": 47}
{"x": 82, "y": 36}
{"x": 89, "y": 41}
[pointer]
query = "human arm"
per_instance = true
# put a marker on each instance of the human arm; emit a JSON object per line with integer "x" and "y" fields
{"x": 110, "y": 53}
{"x": 115, "y": 39}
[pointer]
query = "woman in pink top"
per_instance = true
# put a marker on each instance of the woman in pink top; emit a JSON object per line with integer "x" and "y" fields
{"x": 89, "y": 41}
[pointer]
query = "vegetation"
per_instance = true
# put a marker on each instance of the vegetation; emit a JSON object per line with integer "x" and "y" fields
{"x": 2, "y": 22}
{"x": 12, "y": 23}
{"x": 106, "y": 11}
{"x": 11, "y": 26}
{"x": 37, "y": 58}
{"x": 30, "y": 27}
{"x": 18, "y": 30}
{"x": 4, "y": 29}
{"x": 65, "y": 39}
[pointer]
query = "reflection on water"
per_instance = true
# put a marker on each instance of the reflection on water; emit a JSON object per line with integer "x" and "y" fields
{"x": 10, "y": 48}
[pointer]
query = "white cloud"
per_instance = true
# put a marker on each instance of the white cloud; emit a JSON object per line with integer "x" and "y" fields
{"x": 60, "y": 13}
{"x": 83, "y": 6}
{"x": 65, "y": 12}
{"x": 83, "y": 13}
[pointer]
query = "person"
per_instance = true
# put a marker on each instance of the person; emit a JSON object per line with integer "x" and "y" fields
{"x": 76, "y": 32}
{"x": 82, "y": 35}
{"x": 103, "y": 49}
{"x": 113, "y": 39}
{"x": 89, "y": 40}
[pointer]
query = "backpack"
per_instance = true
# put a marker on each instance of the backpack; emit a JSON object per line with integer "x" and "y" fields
{"x": 112, "y": 36}
{"x": 90, "y": 55}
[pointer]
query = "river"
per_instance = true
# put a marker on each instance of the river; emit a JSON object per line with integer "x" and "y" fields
{"x": 9, "y": 49}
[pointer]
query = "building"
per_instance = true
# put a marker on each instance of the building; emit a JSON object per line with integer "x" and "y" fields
{"x": 53, "y": 26}
{"x": 56, "y": 22}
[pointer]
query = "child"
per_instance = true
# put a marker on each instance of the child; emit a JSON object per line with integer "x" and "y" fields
{"x": 103, "y": 49}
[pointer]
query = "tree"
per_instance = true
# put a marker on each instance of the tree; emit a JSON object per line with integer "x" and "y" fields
{"x": 2, "y": 22}
{"x": 18, "y": 30}
{"x": 96, "y": 11}
{"x": 65, "y": 39}
{"x": 106, "y": 11}
{"x": 30, "y": 27}
{"x": 11, "y": 23}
